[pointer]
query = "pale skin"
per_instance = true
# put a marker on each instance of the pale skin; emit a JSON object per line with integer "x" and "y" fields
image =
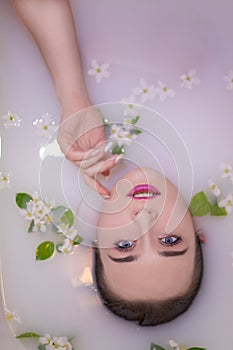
{"x": 158, "y": 263}
{"x": 81, "y": 137}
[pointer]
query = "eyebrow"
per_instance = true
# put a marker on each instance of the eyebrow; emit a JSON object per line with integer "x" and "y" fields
{"x": 166, "y": 253}
{"x": 128, "y": 258}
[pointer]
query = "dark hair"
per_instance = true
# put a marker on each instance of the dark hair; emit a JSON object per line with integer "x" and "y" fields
{"x": 150, "y": 313}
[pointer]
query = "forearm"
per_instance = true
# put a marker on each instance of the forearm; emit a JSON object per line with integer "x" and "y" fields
{"x": 51, "y": 24}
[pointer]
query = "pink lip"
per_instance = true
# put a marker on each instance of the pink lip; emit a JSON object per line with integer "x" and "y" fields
{"x": 143, "y": 188}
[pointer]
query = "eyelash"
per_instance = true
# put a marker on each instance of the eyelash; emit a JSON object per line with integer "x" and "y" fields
{"x": 178, "y": 240}
{"x": 121, "y": 249}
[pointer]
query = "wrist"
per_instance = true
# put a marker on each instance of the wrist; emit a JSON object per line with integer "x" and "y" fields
{"x": 73, "y": 105}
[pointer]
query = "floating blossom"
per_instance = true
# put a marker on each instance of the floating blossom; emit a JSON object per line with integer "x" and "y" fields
{"x": 4, "y": 181}
{"x": 71, "y": 239}
{"x": 229, "y": 79}
{"x": 145, "y": 92}
{"x": 45, "y": 125}
{"x": 176, "y": 346}
{"x": 62, "y": 343}
{"x": 173, "y": 344}
{"x": 12, "y": 316}
{"x": 98, "y": 70}
{"x": 214, "y": 188}
{"x": 163, "y": 91}
{"x": 68, "y": 232}
{"x": 226, "y": 170}
{"x": 46, "y": 339}
{"x": 58, "y": 343}
{"x": 122, "y": 135}
{"x": 131, "y": 109}
{"x": 67, "y": 247}
{"x": 190, "y": 79}
{"x": 39, "y": 225}
{"x": 11, "y": 120}
{"x": 227, "y": 203}
{"x": 37, "y": 211}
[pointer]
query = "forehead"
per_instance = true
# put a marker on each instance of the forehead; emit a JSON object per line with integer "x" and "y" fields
{"x": 159, "y": 278}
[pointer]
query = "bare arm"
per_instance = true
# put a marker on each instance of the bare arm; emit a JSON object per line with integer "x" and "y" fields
{"x": 81, "y": 137}
{"x": 51, "y": 24}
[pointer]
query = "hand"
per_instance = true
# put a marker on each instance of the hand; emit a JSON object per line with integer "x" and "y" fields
{"x": 82, "y": 140}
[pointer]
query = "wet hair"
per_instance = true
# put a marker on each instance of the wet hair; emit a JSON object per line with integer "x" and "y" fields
{"x": 150, "y": 313}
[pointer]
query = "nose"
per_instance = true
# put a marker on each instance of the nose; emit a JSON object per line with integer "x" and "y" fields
{"x": 137, "y": 207}
{"x": 143, "y": 217}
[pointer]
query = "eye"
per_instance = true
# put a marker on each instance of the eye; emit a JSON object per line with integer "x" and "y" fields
{"x": 125, "y": 245}
{"x": 170, "y": 240}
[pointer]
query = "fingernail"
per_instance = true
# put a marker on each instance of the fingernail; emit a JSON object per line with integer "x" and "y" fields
{"x": 118, "y": 159}
{"x": 108, "y": 147}
{"x": 95, "y": 152}
{"x": 105, "y": 196}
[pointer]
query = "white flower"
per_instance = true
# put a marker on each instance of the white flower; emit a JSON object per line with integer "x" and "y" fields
{"x": 121, "y": 135}
{"x": 67, "y": 247}
{"x": 12, "y": 316}
{"x": 227, "y": 203}
{"x": 173, "y": 344}
{"x": 68, "y": 232}
{"x": 4, "y": 181}
{"x": 98, "y": 70}
{"x": 37, "y": 210}
{"x": 226, "y": 170}
{"x": 190, "y": 79}
{"x": 176, "y": 346}
{"x": 45, "y": 125}
{"x": 146, "y": 92}
{"x": 61, "y": 343}
{"x": 39, "y": 225}
{"x": 71, "y": 233}
{"x": 131, "y": 109}
{"x": 229, "y": 79}
{"x": 11, "y": 119}
{"x": 163, "y": 91}
{"x": 29, "y": 212}
{"x": 214, "y": 188}
{"x": 46, "y": 339}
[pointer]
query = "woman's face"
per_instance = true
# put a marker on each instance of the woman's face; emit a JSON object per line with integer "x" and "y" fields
{"x": 146, "y": 238}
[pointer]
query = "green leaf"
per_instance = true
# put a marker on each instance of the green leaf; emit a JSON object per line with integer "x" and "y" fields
{"x": 31, "y": 226}
{"x": 28, "y": 335}
{"x": 135, "y": 120}
{"x": 68, "y": 217}
{"x": 217, "y": 211}
{"x": 118, "y": 149}
{"x": 45, "y": 250}
{"x": 200, "y": 205}
{"x": 135, "y": 132}
{"x": 156, "y": 347}
{"x": 78, "y": 240}
{"x": 196, "y": 348}
{"x": 22, "y": 199}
